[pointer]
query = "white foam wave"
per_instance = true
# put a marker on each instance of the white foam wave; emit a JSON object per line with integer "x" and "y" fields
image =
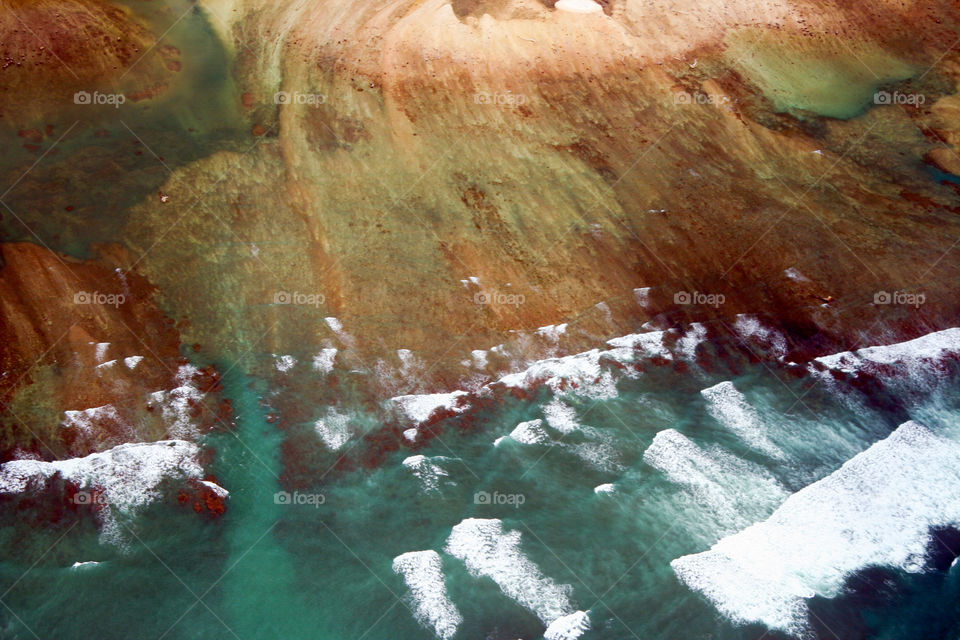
{"x": 85, "y": 420}
{"x": 217, "y": 489}
{"x": 578, "y": 6}
{"x": 794, "y": 274}
{"x": 284, "y": 363}
{"x": 552, "y": 332}
{"x": 580, "y": 373}
{"x": 649, "y": 344}
{"x": 691, "y": 339}
{"x": 323, "y": 362}
{"x": 877, "y": 509}
{"x": 769, "y": 340}
{"x": 423, "y": 573}
{"x": 487, "y": 550}
{"x": 334, "y": 429}
{"x": 101, "y": 351}
{"x": 530, "y": 432}
{"x": 126, "y": 478}
{"x": 912, "y": 354}
{"x": 418, "y": 408}
{"x": 561, "y": 416}
{"x": 177, "y": 405}
{"x": 480, "y": 358}
{"x": 730, "y": 408}
{"x": 427, "y": 471}
{"x": 642, "y": 296}
{"x": 568, "y": 627}
{"x": 736, "y": 491}
{"x": 600, "y": 451}
{"x": 336, "y": 326}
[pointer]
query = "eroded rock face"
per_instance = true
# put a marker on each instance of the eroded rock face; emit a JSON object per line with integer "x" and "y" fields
{"x": 89, "y": 361}
{"x": 427, "y": 157}
{"x": 54, "y": 48}
{"x": 436, "y": 176}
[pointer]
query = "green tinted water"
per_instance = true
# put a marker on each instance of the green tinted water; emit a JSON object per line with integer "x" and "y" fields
{"x": 101, "y": 160}
{"x": 273, "y": 570}
{"x": 269, "y": 570}
{"x": 828, "y": 79}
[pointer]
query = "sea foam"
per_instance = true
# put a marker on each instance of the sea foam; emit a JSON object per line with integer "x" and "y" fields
{"x": 561, "y": 416}
{"x": 730, "y": 408}
{"x": 85, "y": 420}
{"x": 178, "y": 405}
{"x": 334, "y": 429}
{"x": 423, "y": 573}
{"x": 428, "y": 472}
{"x": 568, "y": 627}
{"x": 127, "y": 477}
{"x": 877, "y": 509}
{"x": 932, "y": 346}
{"x": 487, "y": 550}
{"x": 580, "y": 373}
{"x": 649, "y": 343}
{"x": 730, "y": 487}
{"x": 579, "y": 6}
{"x": 531, "y": 432}
{"x": 911, "y": 365}
{"x": 323, "y": 362}
{"x": 418, "y": 408}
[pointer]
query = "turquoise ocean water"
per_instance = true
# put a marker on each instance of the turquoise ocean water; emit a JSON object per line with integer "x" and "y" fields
{"x": 589, "y": 502}
{"x": 318, "y": 563}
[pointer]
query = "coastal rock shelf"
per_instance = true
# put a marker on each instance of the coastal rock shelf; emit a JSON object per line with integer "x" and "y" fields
{"x": 501, "y": 319}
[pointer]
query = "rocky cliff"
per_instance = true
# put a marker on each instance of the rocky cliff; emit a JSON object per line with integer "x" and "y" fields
{"x": 437, "y": 177}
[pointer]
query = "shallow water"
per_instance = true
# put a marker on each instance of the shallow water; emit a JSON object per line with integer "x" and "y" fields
{"x": 826, "y": 80}
{"x": 595, "y": 496}
{"x": 103, "y": 159}
{"x": 325, "y": 569}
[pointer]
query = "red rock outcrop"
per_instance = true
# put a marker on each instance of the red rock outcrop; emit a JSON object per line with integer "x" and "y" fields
{"x": 565, "y": 159}
{"x": 88, "y": 359}
{"x": 52, "y": 49}
{"x": 439, "y": 175}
